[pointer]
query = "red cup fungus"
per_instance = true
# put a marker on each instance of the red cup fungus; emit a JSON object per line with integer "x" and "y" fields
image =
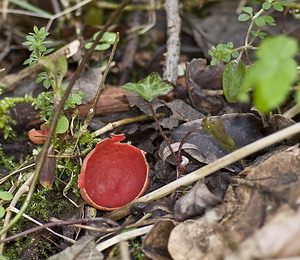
{"x": 38, "y": 136}
{"x": 113, "y": 174}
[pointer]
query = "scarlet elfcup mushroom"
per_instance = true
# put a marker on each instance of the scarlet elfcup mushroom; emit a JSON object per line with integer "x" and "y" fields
{"x": 113, "y": 174}
{"x": 38, "y": 136}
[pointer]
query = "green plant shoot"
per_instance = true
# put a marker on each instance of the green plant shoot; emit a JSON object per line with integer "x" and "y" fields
{"x": 150, "y": 88}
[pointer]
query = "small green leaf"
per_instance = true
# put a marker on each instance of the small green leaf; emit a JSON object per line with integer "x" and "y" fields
{"x": 76, "y": 98}
{"x": 248, "y": 10}
{"x": 47, "y": 63}
{"x": 271, "y": 76}
{"x": 244, "y": 17}
{"x": 266, "y": 5}
{"x": 61, "y": 67}
{"x": 2, "y": 212}
{"x": 102, "y": 47}
{"x": 233, "y": 76}
{"x": 260, "y": 21}
{"x": 150, "y": 88}
{"x": 88, "y": 45}
{"x": 269, "y": 20}
{"x": 278, "y": 7}
{"x": 62, "y": 125}
{"x": 5, "y": 195}
{"x": 109, "y": 37}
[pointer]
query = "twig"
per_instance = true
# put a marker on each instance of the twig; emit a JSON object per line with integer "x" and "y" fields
{"x": 38, "y": 223}
{"x": 173, "y": 43}
{"x": 66, "y": 11}
{"x": 209, "y": 169}
{"x": 4, "y": 179}
{"x": 135, "y": 7}
{"x": 107, "y": 67}
{"x": 43, "y": 153}
{"x": 123, "y": 236}
{"x": 292, "y": 112}
{"x": 125, "y": 121}
{"x": 59, "y": 223}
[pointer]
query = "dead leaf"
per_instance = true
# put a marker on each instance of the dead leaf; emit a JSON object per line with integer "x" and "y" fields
{"x": 242, "y": 128}
{"x": 48, "y": 171}
{"x": 193, "y": 240}
{"x": 195, "y": 202}
{"x": 279, "y": 238}
{"x": 181, "y": 112}
{"x": 84, "y": 249}
{"x": 156, "y": 241}
{"x": 200, "y": 78}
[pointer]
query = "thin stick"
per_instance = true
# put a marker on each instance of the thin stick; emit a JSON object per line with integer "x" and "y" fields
{"x": 209, "y": 169}
{"x": 60, "y": 223}
{"x": 41, "y": 225}
{"x": 107, "y": 67}
{"x": 123, "y": 236}
{"x": 125, "y": 121}
{"x": 59, "y": 108}
{"x": 173, "y": 43}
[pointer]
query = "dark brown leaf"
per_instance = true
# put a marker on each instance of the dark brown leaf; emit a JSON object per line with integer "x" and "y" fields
{"x": 48, "y": 172}
{"x": 156, "y": 241}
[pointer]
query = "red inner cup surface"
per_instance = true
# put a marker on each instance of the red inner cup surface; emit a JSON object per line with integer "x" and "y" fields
{"x": 115, "y": 174}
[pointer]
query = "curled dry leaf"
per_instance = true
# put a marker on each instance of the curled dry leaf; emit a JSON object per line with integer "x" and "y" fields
{"x": 48, "y": 172}
{"x": 242, "y": 128}
{"x": 156, "y": 241}
{"x": 201, "y": 80}
{"x": 279, "y": 238}
{"x": 194, "y": 240}
{"x": 195, "y": 202}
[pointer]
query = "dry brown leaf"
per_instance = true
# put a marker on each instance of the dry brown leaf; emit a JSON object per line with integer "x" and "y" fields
{"x": 195, "y": 202}
{"x": 280, "y": 237}
{"x": 156, "y": 241}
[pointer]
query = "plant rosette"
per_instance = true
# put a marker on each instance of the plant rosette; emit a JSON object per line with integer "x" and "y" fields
{"x": 113, "y": 174}
{"x": 39, "y": 136}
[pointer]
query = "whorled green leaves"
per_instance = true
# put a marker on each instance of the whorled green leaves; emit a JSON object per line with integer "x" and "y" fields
{"x": 150, "y": 88}
{"x": 233, "y": 77}
{"x": 271, "y": 76}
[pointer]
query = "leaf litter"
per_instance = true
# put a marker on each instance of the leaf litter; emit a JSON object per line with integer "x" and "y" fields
{"x": 236, "y": 213}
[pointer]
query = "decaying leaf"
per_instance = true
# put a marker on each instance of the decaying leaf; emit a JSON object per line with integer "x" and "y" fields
{"x": 242, "y": 128}
{"x": 48, "y": 172}
{"x": 193, "y": 240}
{"x": 250, "y": 212}
{"x": 279, "y": 238}
{"x": 181, "y": 112}
{"x": 195, "y": 202}
{"x": 82, "y": 250}
{"x": 201, "y": 80}
{"x": 156, "y": 241}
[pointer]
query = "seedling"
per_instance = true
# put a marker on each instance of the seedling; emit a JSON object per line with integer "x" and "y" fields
{"x": 52, "y": 76}
{"x": 107, "y": 40}
{"x": 271, "y": 76}
{"x": 149, "y": 89}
